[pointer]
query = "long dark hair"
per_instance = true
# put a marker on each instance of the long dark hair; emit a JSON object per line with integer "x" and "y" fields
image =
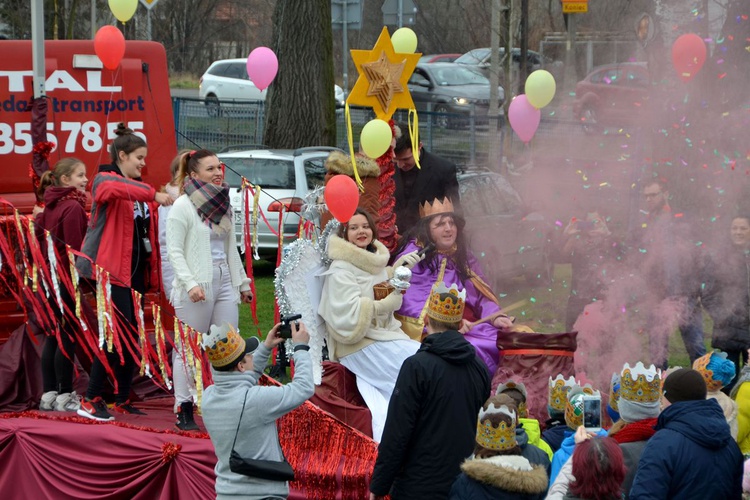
{"x": 343, "y": 228}
{"x": 421, "y": 234}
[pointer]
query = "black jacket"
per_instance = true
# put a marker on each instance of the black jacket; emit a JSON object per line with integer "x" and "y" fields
{"x": 432, "y": 419}
{"x": 726, "y": 297}
{"x": 436, "y": 179}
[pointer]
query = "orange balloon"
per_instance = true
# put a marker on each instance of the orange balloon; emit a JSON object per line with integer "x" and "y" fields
{"x": 109, "y": 45}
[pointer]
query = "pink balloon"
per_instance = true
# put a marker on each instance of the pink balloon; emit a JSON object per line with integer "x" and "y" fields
{"x": 688, "y": 56}
{"x": 524, "y": 118}
{"x": 262, "y": 66}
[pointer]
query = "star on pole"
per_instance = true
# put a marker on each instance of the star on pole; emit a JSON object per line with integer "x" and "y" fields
{"x": 383, "y": 77}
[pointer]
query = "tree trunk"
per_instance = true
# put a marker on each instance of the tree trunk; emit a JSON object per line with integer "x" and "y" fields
{"x": 300, "y": 103}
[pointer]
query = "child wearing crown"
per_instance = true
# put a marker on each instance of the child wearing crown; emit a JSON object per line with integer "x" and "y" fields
{"x": 439, "y": 233}
{"x": 432, "y": 422}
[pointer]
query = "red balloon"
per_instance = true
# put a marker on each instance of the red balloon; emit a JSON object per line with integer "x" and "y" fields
{"x": 109, "y": 45}
{"x": 688, "y": 56}
{"x": 342, "y": 197}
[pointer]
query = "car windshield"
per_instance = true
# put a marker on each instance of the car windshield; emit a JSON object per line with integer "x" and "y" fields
{"x": 474, "y": 56}
{"x": 457, "y": 75}
{"x": 268, "y": 173}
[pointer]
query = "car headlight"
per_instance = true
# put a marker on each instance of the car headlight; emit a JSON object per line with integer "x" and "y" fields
{"x": 461, "y": 100}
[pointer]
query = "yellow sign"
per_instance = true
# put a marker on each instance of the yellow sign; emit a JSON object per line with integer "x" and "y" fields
{"x": 575, "y": 6}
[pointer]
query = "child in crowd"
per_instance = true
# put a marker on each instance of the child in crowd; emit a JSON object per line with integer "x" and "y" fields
{"x": 555, "y": 427}
{"x": 718, "y": 372}
{"x": 517, "y": 392}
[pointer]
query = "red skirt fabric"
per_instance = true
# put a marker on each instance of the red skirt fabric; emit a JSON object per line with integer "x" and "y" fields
{"x": 338, "y": 395}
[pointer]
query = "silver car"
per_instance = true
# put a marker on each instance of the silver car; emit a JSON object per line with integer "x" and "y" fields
{"x": 285, "y": 176}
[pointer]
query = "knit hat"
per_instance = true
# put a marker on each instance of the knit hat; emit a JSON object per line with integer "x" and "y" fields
{"x": 558, "y": 394}
{"x": 226, "y": 348}
{"x": 614, "y": 397}
{"x": 511, "y": 388}
{"x": 640, "y": 392}
{"x": 574, "y": 405}
{"x": 446, "y": 304}
{"x": 684, "y": 384}
{"x": 716, "y": 369}
{"x": 496, "y": 425}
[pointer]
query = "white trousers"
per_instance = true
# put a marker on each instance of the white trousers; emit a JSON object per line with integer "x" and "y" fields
{"x": 376, "y": 367}
{"x": 200, "y": 316}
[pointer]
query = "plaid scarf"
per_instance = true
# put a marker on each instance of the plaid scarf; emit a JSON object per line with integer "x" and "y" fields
{"x": 212, "y": 203}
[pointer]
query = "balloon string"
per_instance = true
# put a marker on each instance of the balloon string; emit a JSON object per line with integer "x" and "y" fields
{"x": 414, "y": 134}
{"x": 350, "y": 136}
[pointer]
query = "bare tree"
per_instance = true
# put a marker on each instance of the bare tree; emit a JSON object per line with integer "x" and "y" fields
{"x": 300, "y": 101}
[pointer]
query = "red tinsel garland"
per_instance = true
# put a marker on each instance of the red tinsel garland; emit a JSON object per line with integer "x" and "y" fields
{"x": 387, "y": 231}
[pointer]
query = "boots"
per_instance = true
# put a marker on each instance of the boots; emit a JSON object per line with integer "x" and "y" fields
{"x": 185, "y": 421}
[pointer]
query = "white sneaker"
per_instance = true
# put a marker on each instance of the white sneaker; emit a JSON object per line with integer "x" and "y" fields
{"x": 48, "y": 401}
{"x": 69, "y": 401}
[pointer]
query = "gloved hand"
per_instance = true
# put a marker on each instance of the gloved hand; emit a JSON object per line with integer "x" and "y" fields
{"x": 389, "y": 304}
{"x": 409, "y": 260}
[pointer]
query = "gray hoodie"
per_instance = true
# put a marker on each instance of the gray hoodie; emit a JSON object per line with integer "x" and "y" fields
{"x": 257, "y": 438}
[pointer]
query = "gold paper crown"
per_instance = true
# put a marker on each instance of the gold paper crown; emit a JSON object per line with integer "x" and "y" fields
{"x": 512, "y": 384}
{"x": 427, "y": 209}
{"x": 574, "y": 405}
{"x": 446, "y": 304}
{"x": 500, "y": 438}
{"x": 558, "y": 392}
{"x": 223, "y": 345}
{"x": 640, "y": 384}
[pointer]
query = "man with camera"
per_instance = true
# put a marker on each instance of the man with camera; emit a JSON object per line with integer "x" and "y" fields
{"x": 240, "y": 416}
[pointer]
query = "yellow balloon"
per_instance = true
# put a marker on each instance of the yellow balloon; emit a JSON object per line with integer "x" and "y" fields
{"x": 375, "y": 138}
{"x": 404, "y": 40}
{"x": 540, "y": 88}
{"x": 123, "y": 9}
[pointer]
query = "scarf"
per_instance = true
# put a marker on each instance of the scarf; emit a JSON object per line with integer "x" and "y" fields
{"x": 635, "y": 431}
{"x": 75, "y": 195}
{"x": 212, "y": 203}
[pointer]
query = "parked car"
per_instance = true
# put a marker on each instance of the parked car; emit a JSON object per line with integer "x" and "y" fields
{"x": 480, "y": 60}
{"x": 452, "y": 91}
{"x": 226, "y": 80}
{"x": 614, "y": 94}
{"x": 285, "y": 176}
{"x": 506, "y": 236}
{"x": 433, "y": 58}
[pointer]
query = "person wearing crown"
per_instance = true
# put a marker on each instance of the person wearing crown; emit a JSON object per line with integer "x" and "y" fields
{"x": 432, "y": 415}
{"x": 517, "y": 392}
{"x": 639, "y": 404}
{"x": 499, "y": 468}
{"x": 362, "y": 333}
{"x": 439, "y": 235}
{"x": 555, "y": 427}
{"x": 240, "y": 415}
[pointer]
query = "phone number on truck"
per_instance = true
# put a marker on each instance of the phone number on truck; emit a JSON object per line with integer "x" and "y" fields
{"x": 16, "y": 137}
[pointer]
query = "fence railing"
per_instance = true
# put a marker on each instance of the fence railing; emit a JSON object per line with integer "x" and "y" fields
{"x": 470, "y": 138}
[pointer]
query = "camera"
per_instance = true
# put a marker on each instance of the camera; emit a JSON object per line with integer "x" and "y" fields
{"x": 285, "y": 331}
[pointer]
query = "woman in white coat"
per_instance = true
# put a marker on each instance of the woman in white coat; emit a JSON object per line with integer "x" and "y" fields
{"x": 362, "y": 333}
{"x": 209, "y": 280}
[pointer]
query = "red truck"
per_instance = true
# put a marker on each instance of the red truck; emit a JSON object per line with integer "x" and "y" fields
{"x": 86, "y": 102}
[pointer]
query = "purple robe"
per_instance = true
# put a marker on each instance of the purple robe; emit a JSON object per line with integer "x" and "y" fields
{"x": 483, "y": 336}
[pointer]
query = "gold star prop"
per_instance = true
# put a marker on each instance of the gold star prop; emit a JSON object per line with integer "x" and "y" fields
{"x": 383, "y": 77}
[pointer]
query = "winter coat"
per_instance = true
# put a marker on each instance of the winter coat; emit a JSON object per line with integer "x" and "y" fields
{"x": 691, "y": 456}
{"x": 339, "y": 163}
{"x": 532, "y": 453}
{"x": 189, "y": 252}
{"x": 564, "y": 453}
{"x": 554, "y": 433}
{"x": 65, "y": 218}
{"x": 729, "y": 408}
{"x": 257, "y": 437}
{"x": 743, "y": 417}
{"x": 502, "y": 477}
{"x": 726, "y": 297}
{"x": 109, "y": 241}
{"x": 347, "y": 300}
{"x": 432, "y": 419}
{"x": 531, "y": 426}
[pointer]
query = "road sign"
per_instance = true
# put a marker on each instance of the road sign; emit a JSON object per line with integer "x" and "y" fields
{"x": 149, "y": 4}
{"x": 353, "y": 14}
{"x": 575, "y": 6}
{"x": 390, "y": 12}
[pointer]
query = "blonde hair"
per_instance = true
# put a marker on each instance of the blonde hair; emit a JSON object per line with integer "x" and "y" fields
{"x": 52, "y": 177}
{"x": 188, "y": 162}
